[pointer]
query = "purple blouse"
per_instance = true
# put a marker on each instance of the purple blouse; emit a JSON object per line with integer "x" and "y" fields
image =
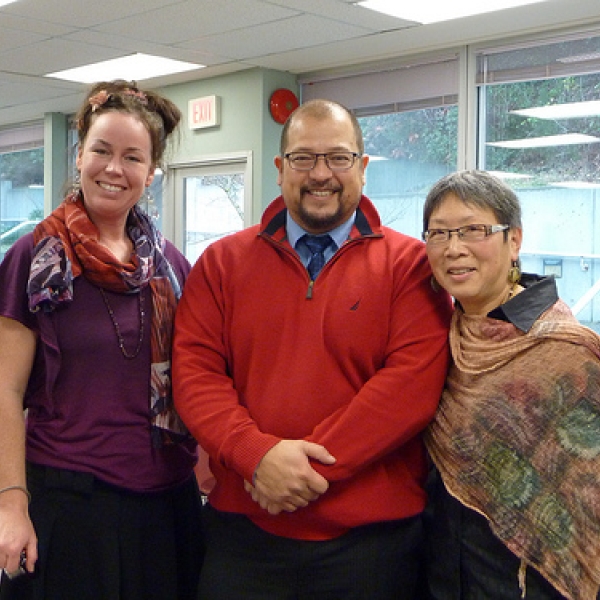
{"x": 95, "y": 417}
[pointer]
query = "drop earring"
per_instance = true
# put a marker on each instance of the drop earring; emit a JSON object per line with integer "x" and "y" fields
{"x": 514, "y": 273}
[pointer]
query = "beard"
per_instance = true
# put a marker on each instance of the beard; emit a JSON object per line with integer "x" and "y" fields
{"x": 314, "y": 220}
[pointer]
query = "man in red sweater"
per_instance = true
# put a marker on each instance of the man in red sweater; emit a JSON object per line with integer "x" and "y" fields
{"x": 309, "y": 390}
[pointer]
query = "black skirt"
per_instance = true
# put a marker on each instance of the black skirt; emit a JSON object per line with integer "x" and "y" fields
{"x": 466, "y": 561}
{"x": 100, "y": 542}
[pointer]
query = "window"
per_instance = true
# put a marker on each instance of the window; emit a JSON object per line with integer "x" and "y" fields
{"x": 409, "y": 117}
{"x": 21, "y": 182}
{"x": 539, "y": 129}
{"x": 211, "y": 199}
{"x": 409, "y": 151}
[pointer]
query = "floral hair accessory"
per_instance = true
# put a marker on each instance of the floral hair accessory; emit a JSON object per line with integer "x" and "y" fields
{"x": 136, "y": 94}
{"x": 97, "y": 100}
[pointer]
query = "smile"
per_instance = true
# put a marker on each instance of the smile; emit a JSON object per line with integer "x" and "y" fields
{"x": 110, "y": 188}
{"x": 462, "y": 271}
{"x": 322, "y": 193}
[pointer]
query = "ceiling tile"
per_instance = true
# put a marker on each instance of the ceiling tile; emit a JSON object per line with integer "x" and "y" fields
{"x": 296, "y": 32}
{"x": 346, "y": 12}
{"x": 84, "y": 13}
{"x": 195, "y": 19}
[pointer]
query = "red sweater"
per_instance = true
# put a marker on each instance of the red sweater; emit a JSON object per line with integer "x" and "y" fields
{"x": 357, "y": 364}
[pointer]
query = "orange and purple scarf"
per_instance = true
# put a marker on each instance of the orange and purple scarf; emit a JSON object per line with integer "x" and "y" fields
{"x": 67, "y": 246}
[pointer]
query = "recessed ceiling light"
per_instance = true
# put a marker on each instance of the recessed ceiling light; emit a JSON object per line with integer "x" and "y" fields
{"x": 509, "y": 175}
{"x": 134, "y": 67}
{"x": 570, "y": 110}
{"x": 566, "y": 139}
{"x": 579, "y": 57}
{"x": 432, "y": 11}
{"x": 578, "y": 185}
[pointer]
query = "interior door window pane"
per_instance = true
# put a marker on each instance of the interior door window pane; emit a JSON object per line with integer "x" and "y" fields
{"x": 214, "y": 208}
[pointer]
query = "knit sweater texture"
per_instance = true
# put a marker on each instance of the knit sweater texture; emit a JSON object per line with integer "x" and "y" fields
{"x": 354, "y": 361}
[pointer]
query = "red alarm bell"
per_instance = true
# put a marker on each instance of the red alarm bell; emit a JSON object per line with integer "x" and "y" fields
{"x": 282, "y": 104}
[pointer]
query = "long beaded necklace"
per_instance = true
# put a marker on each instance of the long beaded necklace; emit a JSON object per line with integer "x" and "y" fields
{"x": 120, "y": 339}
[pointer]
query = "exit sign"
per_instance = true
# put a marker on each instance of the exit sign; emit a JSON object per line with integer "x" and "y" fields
{"x": 203, "y": 112}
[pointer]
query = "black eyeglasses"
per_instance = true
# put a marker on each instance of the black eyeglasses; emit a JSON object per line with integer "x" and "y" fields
{"x": 467, "y": 233}
{"x": 335, "y": 161}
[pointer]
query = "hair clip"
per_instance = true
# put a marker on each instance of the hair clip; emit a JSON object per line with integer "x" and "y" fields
{"x": 97, "y": 100}
{"x": 136, "y": 94}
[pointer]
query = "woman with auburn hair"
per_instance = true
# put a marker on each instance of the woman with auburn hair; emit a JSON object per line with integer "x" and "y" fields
{"x": 98, "y": 497}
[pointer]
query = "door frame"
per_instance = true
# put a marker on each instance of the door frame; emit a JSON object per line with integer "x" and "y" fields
{"x": 173, "y": 209}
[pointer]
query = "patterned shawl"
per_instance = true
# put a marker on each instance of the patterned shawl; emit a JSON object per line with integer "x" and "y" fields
{"x": 517, "y": 438}
{"x": 67, "y": 246}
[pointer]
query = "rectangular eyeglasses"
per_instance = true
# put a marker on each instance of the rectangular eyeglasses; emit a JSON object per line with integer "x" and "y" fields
{"x": 467, "y": 233}
{"x": 335, "y": 161}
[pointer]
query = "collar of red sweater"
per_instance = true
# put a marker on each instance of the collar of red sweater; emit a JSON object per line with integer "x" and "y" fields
{"x": 366, "y": 224}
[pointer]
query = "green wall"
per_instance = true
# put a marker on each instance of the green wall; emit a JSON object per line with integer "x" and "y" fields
{"x": 245, "y": 124}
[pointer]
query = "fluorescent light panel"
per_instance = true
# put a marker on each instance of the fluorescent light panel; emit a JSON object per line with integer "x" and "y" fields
{"x": 571, "y": 110}
{"x": 432, "y": 11}
{"x": 134, "y": 67}
{"x": 567, "y": 139}
{"x": 5, "y": 2}
{"x": 578, "y": 185}
{"x": 509, "y": 175}
{"x": 579, "y": 58}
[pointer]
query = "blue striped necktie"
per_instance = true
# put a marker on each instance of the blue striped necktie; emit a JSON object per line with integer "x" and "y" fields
{"x": 317, "y": 244}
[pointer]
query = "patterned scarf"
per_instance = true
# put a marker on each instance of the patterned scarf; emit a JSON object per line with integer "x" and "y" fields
{"x": 67, "y": 246}
{"x": 517, "y": 438}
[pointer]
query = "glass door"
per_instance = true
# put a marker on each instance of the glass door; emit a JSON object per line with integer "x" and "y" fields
{"x": 211, "y": 200}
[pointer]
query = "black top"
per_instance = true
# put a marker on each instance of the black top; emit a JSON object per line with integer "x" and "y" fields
{"x": 525, "y": 308}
